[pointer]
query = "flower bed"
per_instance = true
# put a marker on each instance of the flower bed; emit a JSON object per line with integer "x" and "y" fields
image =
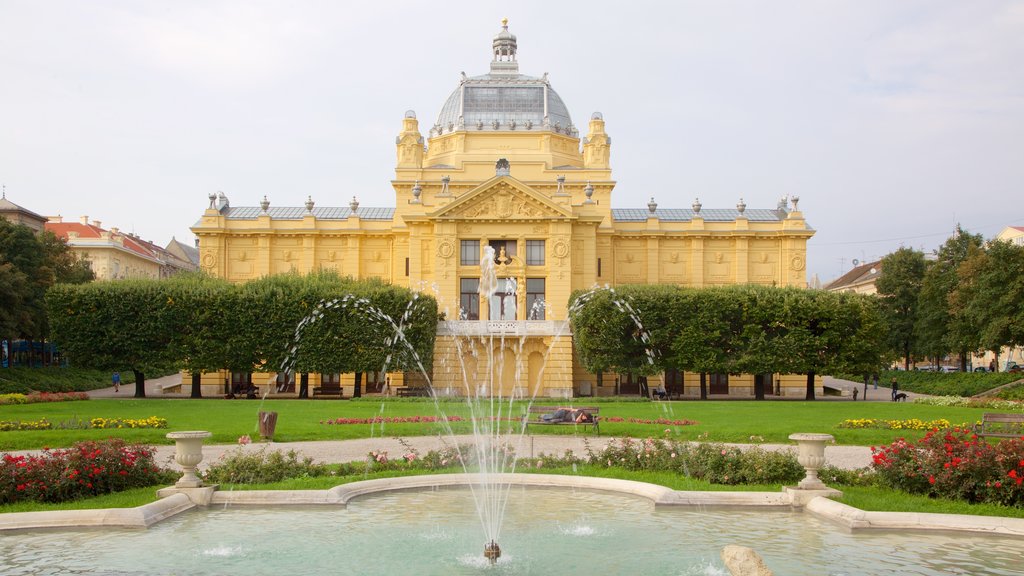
{"x": 86, "y": 469}
{"x": 101, "y": 423}
{"x": 151, "y": 422}
{"x": 658, "y": 421}
{"x": 954, "y": 463}
{"x": 9, "y": 425}
{"x": 910, "y": 424}
{"x": 990, "y": 403}
{"x": 392, "y": 420}
{"x": 37, "y": 397}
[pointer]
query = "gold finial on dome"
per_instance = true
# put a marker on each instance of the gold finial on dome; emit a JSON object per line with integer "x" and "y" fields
{"x": 504, "y": 22}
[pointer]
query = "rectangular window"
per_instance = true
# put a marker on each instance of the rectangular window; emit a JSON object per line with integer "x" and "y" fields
{"x": 503, "y": 249}
{"x": 469, "y": 252}
{"x": 534, "y": 252}
{"x": 469, "y": 299}
{"x": 406, "y": 266}
{"x": 535, "y": 299}
{"x": 598, "y": 267}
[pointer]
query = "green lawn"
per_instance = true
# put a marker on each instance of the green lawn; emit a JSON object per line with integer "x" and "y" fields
{"x": 723, "y": 421}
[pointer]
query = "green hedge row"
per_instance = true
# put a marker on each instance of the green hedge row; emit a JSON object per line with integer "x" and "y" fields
{"x": 23, "y": 380}
{"x": 948, "y": 384}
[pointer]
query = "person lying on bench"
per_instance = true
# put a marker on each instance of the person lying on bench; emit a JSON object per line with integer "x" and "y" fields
{"x": 567, "y": 415}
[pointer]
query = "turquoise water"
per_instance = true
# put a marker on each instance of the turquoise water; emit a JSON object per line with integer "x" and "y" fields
{"x": 546, "y": 531}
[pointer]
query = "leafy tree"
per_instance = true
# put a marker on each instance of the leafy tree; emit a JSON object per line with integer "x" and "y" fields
{"x": 991, "y": 293}
{"x": 609, "y": 333}
{"x": 14, "y": 291}
{"x": 67, "y": 267}
{"x": 20, "y": 248}
{"x": 710, "y": 322}
{"x": 116, "y": 325}
{"x": 201, "y": 343}
{"x": 899, "y": 285}
{"x": 941, "y": 329}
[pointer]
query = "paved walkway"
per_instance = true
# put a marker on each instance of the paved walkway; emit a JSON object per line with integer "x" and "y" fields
{"x": 334, "y": 451}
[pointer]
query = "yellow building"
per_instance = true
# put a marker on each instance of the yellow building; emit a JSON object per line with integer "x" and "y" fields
{"x": 505, "y": 166}
{"x": 111, "y": 254}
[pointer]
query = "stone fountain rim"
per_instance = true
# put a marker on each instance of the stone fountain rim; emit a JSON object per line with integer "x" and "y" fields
{"x": 179, "y": 500}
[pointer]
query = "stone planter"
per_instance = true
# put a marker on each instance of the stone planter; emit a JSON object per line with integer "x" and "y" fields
{"x": 812, "y": 457}
{"x": 188, "y": 454}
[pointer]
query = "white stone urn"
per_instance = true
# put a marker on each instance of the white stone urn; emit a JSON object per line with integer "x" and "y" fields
{"x": 812, "y": 457}
{"x": 188, "y": 454}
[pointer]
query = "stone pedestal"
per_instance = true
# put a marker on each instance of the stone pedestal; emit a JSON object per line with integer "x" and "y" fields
{"x": 812, "y": 457}
{"x": 188, "y": 454}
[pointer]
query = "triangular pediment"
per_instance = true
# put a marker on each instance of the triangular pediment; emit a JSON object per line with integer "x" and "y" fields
{"x": 502, "y": 198}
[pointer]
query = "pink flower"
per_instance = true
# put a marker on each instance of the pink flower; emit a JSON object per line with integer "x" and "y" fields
{"x": 243, "y": 440}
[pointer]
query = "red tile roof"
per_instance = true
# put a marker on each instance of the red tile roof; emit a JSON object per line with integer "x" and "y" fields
{"x": 137, "y": 246}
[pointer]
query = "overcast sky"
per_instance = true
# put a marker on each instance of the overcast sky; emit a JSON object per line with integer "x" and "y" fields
{"x": 891, "y": 120}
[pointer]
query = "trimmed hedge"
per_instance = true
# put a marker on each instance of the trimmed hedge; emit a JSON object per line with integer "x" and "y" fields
{"x": 23, "y": 380}
{"x": 947, "y": 384}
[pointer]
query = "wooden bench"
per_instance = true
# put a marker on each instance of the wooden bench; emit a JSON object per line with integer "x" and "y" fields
{"x": 327, "y": 390}
{"x": 534, "y": 417}
{"x": 1000, "y": 425}
{"x": 411, "y": 391}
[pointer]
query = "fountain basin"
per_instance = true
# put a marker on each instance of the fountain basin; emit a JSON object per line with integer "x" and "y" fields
{"x": 436, "y": 529}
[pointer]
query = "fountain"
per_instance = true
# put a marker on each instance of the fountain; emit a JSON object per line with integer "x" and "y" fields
{"x": 589, "y": 516}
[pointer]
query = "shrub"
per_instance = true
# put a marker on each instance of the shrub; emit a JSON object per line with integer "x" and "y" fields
{"x": 713, "y": 462}
{"x": 954, "y": 463}
{"x": 262, "y": 467}
{"x": 1013, "y": 393}
{"x": 840, "y": 476}
{"x": 945, "y": 384}
{"x": 25, "y": 380}
{"x": 86, "y": 469}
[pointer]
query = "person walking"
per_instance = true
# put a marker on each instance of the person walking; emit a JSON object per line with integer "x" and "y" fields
{"x": 895, "y": 389}
{"x": 117, "y": 381}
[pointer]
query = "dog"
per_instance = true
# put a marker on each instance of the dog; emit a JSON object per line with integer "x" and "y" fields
{"x": 900, "y": 397}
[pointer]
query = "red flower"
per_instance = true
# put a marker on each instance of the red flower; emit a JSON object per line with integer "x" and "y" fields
{"x": 931, "y": 479}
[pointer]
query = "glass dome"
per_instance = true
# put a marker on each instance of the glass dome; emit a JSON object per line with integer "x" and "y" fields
{"x": 504, "y": 99}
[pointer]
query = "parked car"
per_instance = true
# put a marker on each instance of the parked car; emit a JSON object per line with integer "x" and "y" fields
{"x": 949, "y": 369}
{"x": 980, "y": 369}
{"x": 1016, "y": 369}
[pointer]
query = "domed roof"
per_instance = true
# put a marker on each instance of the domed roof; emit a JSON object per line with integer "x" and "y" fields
{"x": 504, "y": 99}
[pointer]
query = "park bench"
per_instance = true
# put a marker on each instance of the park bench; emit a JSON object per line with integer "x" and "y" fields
{"x": 1000, "y": 425}
{"x": 333, "y": 389}
{"x": 412, "y": 391}
{"x": 534, "y": 416}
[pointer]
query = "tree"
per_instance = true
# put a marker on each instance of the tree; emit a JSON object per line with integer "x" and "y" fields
{"x": 899, "y": 285}
{"x": 991, "y": 294}
{"x": 939, "y": 328}
{"x": 20, "y": 248}
{"x": 710, "y": 323}
{"x": 67, "y": 267}
{"x": 609, "y": 332}
{"x": 118, "y": 324}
